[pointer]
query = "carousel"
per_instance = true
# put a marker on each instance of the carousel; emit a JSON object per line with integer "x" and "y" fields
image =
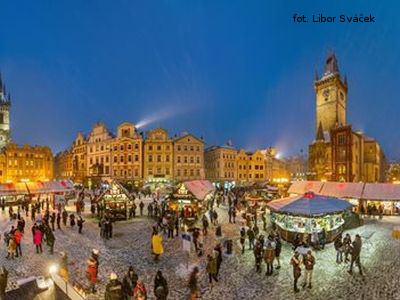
{"x": 116, "y": 202}
{"x": 309, "y": 214}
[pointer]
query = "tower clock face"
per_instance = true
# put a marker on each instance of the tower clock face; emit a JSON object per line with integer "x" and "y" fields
{"x": 325, "y": 93}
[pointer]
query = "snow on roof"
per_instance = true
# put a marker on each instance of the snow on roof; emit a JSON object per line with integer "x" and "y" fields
{"x": 301, "y": 187}
{"x": 309, "y": 204}
{"x": 381, "y": 191}
{"x": 199, "y": 188}
{"x": 367, "y": 191}
{"x": 342, "y": 189}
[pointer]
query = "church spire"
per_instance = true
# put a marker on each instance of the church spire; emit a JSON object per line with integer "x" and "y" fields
{"x": 331, "y": 65}
{"x": 316, "y": 77}
{"x": 320, "y": 133}
{"x": 1, "y": 84}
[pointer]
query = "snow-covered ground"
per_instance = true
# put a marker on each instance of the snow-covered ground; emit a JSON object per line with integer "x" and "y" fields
{"x": 130, "y": 245}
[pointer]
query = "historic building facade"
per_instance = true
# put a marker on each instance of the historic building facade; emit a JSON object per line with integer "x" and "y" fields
{"x": 220, "y": 164}
{"x": 158, "y": 155}
{"x": 188, "y": 158}
{"x": 63, "y": 165}
{"x": 338, "y": 153}
{"x": 26, "y": 163}
{"x": 127, "y": 152}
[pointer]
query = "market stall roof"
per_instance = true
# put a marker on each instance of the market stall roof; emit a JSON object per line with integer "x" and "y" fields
{"x": 43, "y": 187}
{"x": 199, "y": 188}
{"x": 301, "y": 187}
{"x": 342, "y": 189}
{"x": 360, "y": 190}
{"x": 309, "y": 204}
{"x": 13, "y": 189}
{"x": 381, "y": 191}
{"x": 114, "y": 189}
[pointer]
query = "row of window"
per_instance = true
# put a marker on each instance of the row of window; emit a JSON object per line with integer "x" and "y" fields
{"x": 186, "y": 148}
{"x": 158, "y": 171}
{"x": 126, "y": 146}
{"x": 28, "y": 163}
{"x": 250, "y": 176}
{"x": 186, "y": 160}
{"x": 256, "y": 167}
{"x": 158, "y": 148}
{"x": 185, "y": 172}
{"x": 126, "y": 173}
{"x": 158, "y": 158}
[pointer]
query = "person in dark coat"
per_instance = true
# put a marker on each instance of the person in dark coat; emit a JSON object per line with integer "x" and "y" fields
{"x": 295, "y": 262}
{"x": 80, "y": 224}
{"x": 141, "y": 207}
{"x": 160, "y": 286}
{"x": 114, "y": 289}
{"x": 355, "y": 254}
{"x": 129, "y": 283}
{"x": 65, "y": 217}
{"x": 251, "y": 236}
{"x": 192, "y": 284}
{"x": 52, "y": 220}
{"x": 205, "y": 225}
{"x": 339, "y": 249}
{"x": 72, "y": 220}
{"x": 258, "y": 255}
{"x": 243, "y": 238}
{"x": 3, "y": 282}
{"x": 58, "y": 220}
{"x": 218, "y": 250}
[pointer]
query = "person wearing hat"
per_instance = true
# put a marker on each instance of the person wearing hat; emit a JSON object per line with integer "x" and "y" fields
{"x": 129, "y": 283}
{"x": 114, "y": 289}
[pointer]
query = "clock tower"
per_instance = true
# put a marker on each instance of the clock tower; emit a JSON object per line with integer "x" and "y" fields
{"x": 331, "y": 97}
{"x": 5, "y": 104}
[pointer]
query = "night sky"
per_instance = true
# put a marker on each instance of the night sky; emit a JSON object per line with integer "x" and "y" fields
{"x": 224, "y": 70}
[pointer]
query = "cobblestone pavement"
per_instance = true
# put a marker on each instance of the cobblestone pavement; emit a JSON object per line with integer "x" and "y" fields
{"x": 238, "y": 279}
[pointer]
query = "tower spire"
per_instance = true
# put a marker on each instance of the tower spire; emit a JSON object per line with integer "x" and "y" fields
{"x": 320, "y": 133}
{"x": 316, "y": 77}
{"x": 1, "y": 84}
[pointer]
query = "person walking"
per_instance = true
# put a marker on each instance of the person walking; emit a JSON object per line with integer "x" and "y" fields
{"x": 18, "y": 239}
{"x": 258, "y": 255}
{"x": 158, "y": 249}
{"x": 160, "y": 286}
{"x": 141, "y": 207}
{"x": 243, "y": 238}
{"x": 58, "y": 220}
{"x": 72, "y": 220}
{"x": 80, "y": 224}
{"x": 251, "y": 237}
{"x": 347, "y": 247}
{"x": 269, "y": 255}
{"x": 218, "y": 256}
{"x": 52, "y": 220}
{"x": 37, "y": 240}
{"x": 212, "y": 269}
{"x": 295, "y": 262}
{"x": 309, "y": 262}
{"x": 12, "y": 246}
{"x": 192, "y": 284}
{"x": 114, "y": 289}
{"x": 50, "y": 239}
{"x": 338, "y": 244}
{"x": 140, "y": 291}
{"x": 91, "y": 273}
{"x": 355, "y": 254}
{"x": 129, "y": 283}
{"x": 65, "y": 217}
{"x": 205, "y": 224}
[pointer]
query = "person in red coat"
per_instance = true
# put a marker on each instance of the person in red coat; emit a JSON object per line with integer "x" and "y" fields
{"x": 91, "y": 273}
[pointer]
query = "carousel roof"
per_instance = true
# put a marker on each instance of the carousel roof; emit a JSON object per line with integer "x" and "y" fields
{"x": 309, "y": 204}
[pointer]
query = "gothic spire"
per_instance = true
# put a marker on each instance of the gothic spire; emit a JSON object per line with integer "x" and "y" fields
{"x": 320, "y": 133}
{"x": 9, "y": 97}
{"x": 345, "y": 80}
{"x": 1, "y": 84}
{"x": 331, "y": 65}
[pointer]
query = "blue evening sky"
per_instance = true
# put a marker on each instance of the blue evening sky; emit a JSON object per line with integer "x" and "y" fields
{"x": 224, "y": 70}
